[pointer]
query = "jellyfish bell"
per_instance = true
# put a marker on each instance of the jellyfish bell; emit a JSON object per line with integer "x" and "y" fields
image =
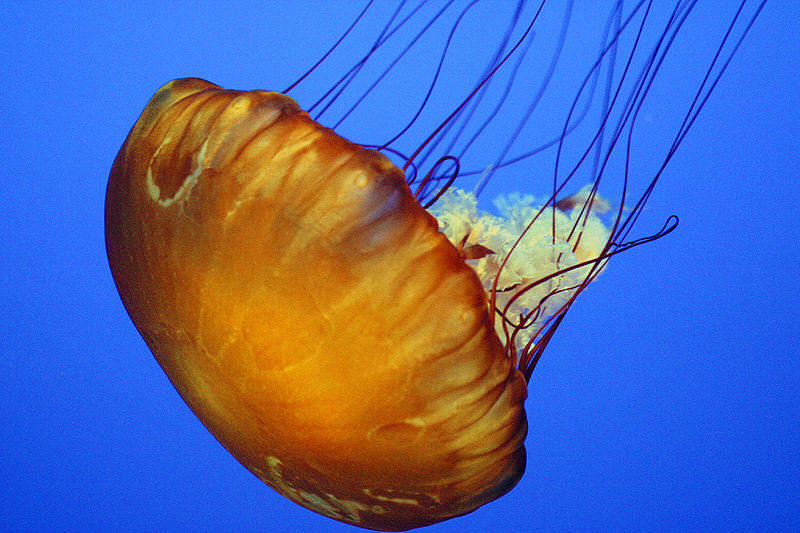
{"x": 310, "y": 312}
{"x": 361, "y": 346}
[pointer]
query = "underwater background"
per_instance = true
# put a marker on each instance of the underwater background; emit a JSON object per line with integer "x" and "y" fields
{"x": 668, "y": 399}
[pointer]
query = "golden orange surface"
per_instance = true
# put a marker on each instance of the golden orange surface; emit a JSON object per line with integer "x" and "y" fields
{"x": 309, "y": 311}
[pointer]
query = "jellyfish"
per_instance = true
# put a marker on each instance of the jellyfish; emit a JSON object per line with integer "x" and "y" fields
{"x": 342, "y": 315}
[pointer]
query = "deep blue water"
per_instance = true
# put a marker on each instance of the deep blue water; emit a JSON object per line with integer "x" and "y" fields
{"x": 667, "y": 401}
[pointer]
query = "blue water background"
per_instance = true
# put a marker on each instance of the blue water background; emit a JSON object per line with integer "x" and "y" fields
{"x": 667, "y": 401}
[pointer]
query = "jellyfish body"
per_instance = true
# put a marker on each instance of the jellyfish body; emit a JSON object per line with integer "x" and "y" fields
{"x": 360, "y": 357}
{"x": 309, "y": 311}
